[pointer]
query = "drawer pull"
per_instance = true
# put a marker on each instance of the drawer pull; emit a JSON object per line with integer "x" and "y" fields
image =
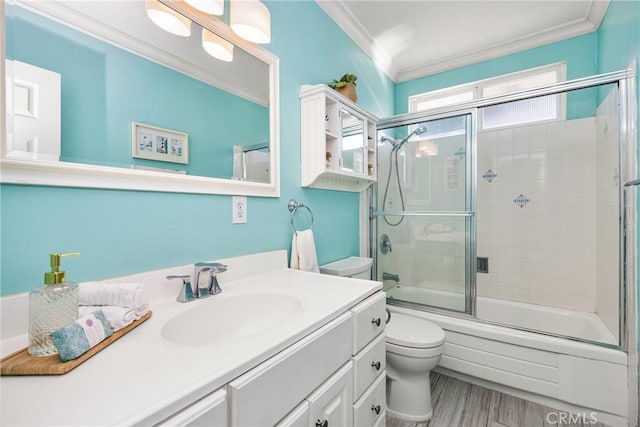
{"x": 376, "y": 321}
{"x": 375, "y": 408}
{"x": 376, "y": 365}
{"x": 324, "y": 423}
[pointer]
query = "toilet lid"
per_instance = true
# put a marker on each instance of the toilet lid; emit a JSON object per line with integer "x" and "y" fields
{"x": 409, "y": 331}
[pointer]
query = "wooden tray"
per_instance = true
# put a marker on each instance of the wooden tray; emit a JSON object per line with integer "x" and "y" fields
{"x": 22, "y": 363}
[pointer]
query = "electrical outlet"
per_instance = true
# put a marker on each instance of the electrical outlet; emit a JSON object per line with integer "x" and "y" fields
{"x": 239, "y": 212}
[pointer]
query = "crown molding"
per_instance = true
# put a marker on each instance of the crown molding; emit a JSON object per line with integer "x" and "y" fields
{"x": 342, "y": 15}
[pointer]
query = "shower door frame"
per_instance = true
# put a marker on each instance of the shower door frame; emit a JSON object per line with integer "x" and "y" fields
{"x": 627, "y": 162}
{"x": 471, "y": 116}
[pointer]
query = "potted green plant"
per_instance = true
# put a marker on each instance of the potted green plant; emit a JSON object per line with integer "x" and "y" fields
{"x": 346, "y": 86}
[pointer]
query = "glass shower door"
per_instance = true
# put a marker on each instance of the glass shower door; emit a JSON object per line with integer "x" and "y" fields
{"x": 424, "y": 212}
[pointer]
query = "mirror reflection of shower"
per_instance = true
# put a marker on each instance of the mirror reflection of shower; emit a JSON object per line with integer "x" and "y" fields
{"x": 393, "y": 160}
{"x": 251, "y": 162}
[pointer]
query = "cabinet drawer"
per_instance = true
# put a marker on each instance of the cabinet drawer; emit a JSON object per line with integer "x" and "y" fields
{"x": 368, "y": 364}
{"x": 265, "y": 394}
{"x": 211, "y": 410}
{"x": 368, "y": 408}
{"x": 331, "y": 404}
{"x": 299, "y": 417}
{"x": 369, "y": 321}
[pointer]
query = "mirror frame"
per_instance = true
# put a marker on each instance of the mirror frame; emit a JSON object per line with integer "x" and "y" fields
{"x": 66, "y": 174}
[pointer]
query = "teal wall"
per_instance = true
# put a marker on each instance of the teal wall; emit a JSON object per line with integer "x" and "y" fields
{"x": 105, "y": 88}
{"x": 123, "y": 232}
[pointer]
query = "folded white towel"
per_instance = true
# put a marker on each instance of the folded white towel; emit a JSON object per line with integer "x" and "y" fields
{"x": 303, "y": 251}
{"x": 118, "y": 317}
{"x": 130, "y": 295}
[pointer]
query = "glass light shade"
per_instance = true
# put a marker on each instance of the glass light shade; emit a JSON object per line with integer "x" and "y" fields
{"x": 251, "y": 20}
{"x": 216, "y": 46}
{"x": 214, "y": 7}
{"x": 168, "y": 19}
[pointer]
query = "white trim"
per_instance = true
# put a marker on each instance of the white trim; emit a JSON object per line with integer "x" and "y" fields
{"x": 341, "y": 15}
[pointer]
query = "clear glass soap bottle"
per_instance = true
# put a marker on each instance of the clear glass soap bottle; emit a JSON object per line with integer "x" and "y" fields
{"x": 51, "y": 306}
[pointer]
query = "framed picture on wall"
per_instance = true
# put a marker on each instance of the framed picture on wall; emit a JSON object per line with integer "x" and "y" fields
{"x": 154, "y": 143}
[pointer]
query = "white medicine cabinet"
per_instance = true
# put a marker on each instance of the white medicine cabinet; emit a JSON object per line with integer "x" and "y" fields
{"x": 338, "y": 141}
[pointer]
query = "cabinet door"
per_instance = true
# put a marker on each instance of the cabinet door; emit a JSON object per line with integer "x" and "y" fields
{"x": 209, "y": 411}
{"x": 353, "y": 142}
{"x": 331, "y": 404}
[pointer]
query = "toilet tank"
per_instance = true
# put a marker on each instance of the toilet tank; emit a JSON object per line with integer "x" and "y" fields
{"x": 356, "y": 267}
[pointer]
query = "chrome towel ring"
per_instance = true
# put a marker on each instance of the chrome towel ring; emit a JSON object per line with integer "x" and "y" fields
{"x": 293, "y": 207}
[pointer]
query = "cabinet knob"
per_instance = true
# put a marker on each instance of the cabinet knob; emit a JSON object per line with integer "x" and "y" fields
{"x": 375, "y": 408}
{"x": 376, "y": 321}
{"x": 324, "y": 423}
{"x": 376, "y": 365}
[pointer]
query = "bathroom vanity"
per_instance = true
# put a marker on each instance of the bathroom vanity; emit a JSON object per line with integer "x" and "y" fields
{"x": 276, "y": 347}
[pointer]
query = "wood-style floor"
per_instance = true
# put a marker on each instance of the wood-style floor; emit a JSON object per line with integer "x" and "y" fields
{"x": 460, "y": 404}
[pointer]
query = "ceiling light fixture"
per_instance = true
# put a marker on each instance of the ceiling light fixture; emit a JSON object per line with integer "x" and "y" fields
{"x": 216, "y": 46}
{"x": 251, "y": 20}
{"x": 168, "y": 19}
{"x": 214, "y": 7}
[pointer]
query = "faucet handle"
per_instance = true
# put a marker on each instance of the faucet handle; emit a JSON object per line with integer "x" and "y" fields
{"x": 214, "y": 286}
{"x": 186, "y": 292}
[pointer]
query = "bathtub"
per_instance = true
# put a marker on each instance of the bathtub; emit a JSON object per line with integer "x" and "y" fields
{"x": 557, "y": 372}
{"x": 533, "y": 317}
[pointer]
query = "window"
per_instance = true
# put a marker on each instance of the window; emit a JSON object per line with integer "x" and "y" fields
{"x": 550, "y": 107}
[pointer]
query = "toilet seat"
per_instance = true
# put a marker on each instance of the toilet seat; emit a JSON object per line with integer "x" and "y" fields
{"x": 413, "y": 332}
{"x": 420, "y": 353}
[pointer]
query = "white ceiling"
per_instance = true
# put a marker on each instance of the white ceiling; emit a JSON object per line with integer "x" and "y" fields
{"x": 412, "y": 39}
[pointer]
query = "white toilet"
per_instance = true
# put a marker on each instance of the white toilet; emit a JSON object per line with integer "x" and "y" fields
{"x": 414, "y": 347}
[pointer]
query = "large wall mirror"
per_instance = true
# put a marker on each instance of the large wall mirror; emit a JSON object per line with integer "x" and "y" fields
{"x": 97, "y": 95}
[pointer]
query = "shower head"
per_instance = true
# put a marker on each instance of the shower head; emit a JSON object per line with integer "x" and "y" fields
{"x": 417, "y": 131}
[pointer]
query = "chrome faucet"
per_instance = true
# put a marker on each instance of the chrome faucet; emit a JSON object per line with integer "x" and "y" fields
{"x": 389, "y": 276}
{"x": 191, "y": 289}
{"x": 214, "y": 268}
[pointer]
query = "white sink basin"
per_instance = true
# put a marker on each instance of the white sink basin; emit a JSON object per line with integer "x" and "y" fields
{"x": 223, "y": 319}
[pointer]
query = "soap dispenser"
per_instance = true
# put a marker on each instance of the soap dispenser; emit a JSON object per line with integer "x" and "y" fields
{"x": 51, "y": 306}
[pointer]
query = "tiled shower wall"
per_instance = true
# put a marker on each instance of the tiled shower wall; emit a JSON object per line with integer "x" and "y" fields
{"x": 536, "y": 213}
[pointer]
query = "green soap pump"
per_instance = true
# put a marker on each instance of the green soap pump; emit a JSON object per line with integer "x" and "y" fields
{"x": 51, "y": 306}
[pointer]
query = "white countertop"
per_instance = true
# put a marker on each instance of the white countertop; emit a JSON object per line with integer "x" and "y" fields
{"x": 142, "y": 378}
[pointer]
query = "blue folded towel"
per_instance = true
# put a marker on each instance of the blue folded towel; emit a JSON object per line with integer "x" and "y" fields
{"x": 77, "y": 338}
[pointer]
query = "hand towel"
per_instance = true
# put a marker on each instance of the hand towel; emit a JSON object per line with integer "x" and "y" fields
{"x": 117, "y": 317}
{"x": 130, "y": 295}
{"x": 303, "y": 252}
{"x": 77, "y": 338}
